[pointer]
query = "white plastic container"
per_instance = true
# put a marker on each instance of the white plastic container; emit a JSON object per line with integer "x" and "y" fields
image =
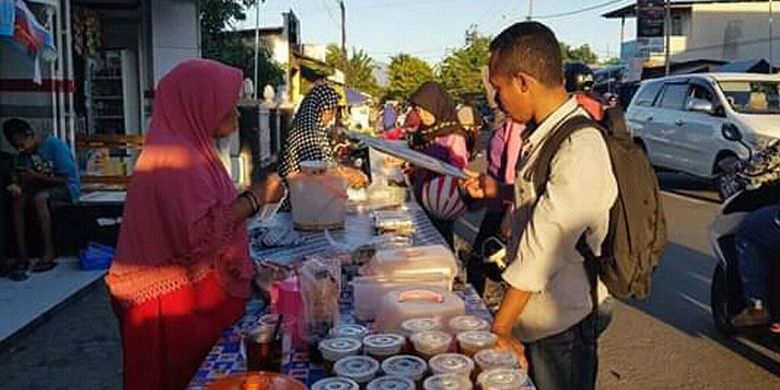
{"x": 401, "y": 305}
{"x": 431, "y": 343}
{"x": 369, "y": 290}
{"x": 447, "y": 382}
{"x": 338, "y": 348}
{"x": 474, "y": 341}
{"x": 383, "y": 345}
{"x": 405, "y": 366}
{"x": 318, "y": 195}
{"x": 335, "y": 384}
{"x": 361, "y": 369}
{"x": 466, "y": 323}
{"x": 452, "y": 363}
{"x": 488, "y": 359}
{"x": 412, "y": 261}
{"x": 391, "y": 383}
{"x": 417, "y": 325}
{"x": 353, "y": 331}
{"x": 503, "y": 379}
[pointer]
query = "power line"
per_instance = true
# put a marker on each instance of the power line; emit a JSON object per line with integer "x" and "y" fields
{"x": 581, "y": 10}
{"x": 330, "y": 14}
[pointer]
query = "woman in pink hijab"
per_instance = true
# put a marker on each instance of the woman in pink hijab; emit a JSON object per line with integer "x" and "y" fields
{"x": 182, "y": 270}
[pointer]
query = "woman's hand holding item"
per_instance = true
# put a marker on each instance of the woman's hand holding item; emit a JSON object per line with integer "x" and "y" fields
{"x": 270, "y": 190}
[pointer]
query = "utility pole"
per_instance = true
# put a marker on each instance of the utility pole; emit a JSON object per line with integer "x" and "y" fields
{"x": 530, "y": 10}
{"x": 771, "y": 39}
{"x": 343, "y": 29}
{"x": 257, "y": 49}
{"x": 668, "y": 35}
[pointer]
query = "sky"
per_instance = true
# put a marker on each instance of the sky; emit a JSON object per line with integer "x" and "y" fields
{"x": 429, "y": 28}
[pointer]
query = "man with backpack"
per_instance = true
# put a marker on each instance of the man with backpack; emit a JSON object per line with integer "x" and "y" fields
{"x": 562, "y": 235}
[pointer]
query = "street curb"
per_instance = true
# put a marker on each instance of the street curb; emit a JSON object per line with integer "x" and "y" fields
{"x": 8, "y": 342}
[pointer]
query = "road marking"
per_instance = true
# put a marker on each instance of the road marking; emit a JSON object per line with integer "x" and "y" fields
{"x": 688, "y": 198}
{"x": 468, "y": 224}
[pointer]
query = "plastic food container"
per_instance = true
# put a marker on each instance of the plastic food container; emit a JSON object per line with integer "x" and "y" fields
{"x": 461, "y": 324}
{"x": 417, "y": 325}
{"x": 335, "y": 384}
{"x": 369, "y": 290}
{"x": 503, "y": 379}
{"x": 405, "y": 366}
{"x": 391, "y": 383}
{"x": 412, "y": 302}
{"x": 352, "y": 331}
{"x": 488, "y": 359}
{"x": 452, "y": 363}
{"x": 474, "y": 341}
{"x": 383, "y": 345}
{"x": 431, "y": 343}
{"x": 412, "y": 261}
{"x": 361, "y": 369}
{"x": 338, "y": 348}
{"x": 447, "y": 382}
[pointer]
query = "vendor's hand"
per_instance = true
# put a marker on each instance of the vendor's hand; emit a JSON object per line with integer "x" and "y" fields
{"x": 506, "y": 342}
{"x": 481, "y": 187}
{"x": 14, "y": 190}
{"x": 270, "y": 190}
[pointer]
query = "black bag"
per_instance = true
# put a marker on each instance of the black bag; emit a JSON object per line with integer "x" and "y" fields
{"x": 637, "y": 228}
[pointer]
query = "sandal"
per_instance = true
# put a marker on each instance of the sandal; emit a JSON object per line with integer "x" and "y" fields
{"x": 19, "y": 271}
{"x": 44, "y": 266}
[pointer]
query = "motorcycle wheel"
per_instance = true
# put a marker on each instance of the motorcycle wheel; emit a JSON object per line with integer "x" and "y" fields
{"x": 719, "y": 302}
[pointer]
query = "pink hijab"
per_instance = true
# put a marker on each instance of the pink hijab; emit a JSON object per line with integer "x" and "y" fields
{"x": 177, "y": 224}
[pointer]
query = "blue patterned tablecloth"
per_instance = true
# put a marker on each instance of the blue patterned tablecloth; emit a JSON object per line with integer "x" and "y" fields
{"x": 226, "y": 357}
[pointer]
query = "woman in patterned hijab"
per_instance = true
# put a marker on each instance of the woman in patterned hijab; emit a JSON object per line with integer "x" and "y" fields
{"x": 308, "y": 138}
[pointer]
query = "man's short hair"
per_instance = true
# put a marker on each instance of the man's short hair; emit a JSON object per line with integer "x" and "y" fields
{"x": 530, "y": 48}
{"x": 13, "y": 128}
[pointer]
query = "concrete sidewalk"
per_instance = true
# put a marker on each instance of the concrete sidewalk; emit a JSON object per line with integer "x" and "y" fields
{"x": 27, "y": 302}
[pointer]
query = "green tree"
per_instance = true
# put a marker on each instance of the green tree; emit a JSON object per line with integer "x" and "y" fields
{"x": 406, "y": 74}
{"x": 218, "y": 19}
{"x": 583, "y": 53}
{"x": 358, "y": 70}
{"x": 612, "y": 61}
{"x": 461, "y": 71}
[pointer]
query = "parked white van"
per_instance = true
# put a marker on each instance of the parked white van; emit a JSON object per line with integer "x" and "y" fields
{"x": 679, "y": 119}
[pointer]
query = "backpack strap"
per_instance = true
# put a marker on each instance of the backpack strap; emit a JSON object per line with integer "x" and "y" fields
{"x": 540, "y": 174}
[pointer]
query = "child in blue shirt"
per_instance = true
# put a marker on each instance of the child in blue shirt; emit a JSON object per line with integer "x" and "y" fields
{"x": 47, "y": 172}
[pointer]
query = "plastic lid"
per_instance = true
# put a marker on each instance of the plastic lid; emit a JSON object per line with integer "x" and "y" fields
{"x": 268, "y": 319}
{"x": 361, "y": 369}
{"x": 405, "y": 366}
{"x": 383, "y": 344}
{"x": 335, "y": 384}
{"x": 452, "y": 363}
{"x": 502, "y": 379}
{"x": 337, "y": 348}
{"x": 465, "y": 323}
{"x": 477, "y": 339}
{"x": 431, "y": 342}
{"x": 352, "y": 331}
{"x": 417, "y": 325}
{"x": 494, "y": 358}
{"x": 447, "y": 382}
{"x": 391, "y": 383}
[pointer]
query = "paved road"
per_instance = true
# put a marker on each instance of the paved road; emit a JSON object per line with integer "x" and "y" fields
{"x": 666, "y": 342}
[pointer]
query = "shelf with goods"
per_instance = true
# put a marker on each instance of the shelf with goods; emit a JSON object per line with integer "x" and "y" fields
{"x": 108, "y": 150}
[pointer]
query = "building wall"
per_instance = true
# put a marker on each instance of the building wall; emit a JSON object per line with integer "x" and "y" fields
{"x": 175, "y": 34}
{"x": 731, "y": 31}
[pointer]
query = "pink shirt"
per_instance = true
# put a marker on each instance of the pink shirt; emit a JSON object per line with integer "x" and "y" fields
{"x": 504, "y": 150}
{"x": 456, "y": 146}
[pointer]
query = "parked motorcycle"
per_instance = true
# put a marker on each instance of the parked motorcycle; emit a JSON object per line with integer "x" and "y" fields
{"x": 752, "y": 186}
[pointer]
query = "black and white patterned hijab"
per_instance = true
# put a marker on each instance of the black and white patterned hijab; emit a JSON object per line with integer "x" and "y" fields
{"x": 307, "y": 139}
